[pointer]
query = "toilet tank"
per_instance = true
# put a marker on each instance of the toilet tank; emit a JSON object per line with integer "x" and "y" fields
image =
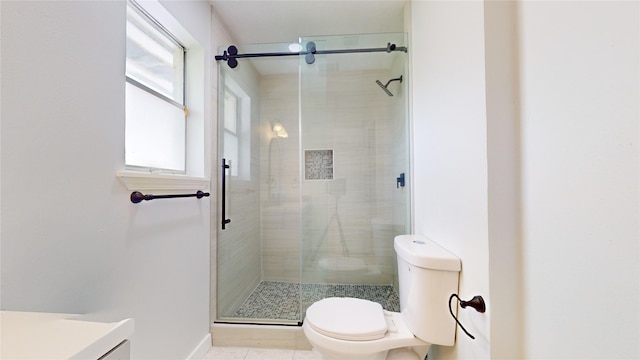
{"x": 427, "y": 275}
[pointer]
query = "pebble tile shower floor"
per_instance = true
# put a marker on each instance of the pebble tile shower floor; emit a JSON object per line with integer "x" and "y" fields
{"x": 281, "y": 300}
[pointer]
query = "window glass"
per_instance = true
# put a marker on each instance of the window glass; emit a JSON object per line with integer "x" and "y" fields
{"x": 155, "y": 130}
{"x": 235, "y": 125}
{"x": 154, "y": 58}
{"x": 230, "y": 112}
{"x": 231, "y": 141}
{"x": 231, "y": 152}
{"x": 156, "y": 139}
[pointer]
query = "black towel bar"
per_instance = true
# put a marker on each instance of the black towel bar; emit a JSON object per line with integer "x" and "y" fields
{"x": 137, "y": 196}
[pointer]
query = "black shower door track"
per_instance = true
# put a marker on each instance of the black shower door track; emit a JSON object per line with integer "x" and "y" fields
{"x": 231, "y": 54}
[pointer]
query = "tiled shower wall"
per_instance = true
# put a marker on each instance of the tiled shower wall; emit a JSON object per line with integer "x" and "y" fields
{"x": 349, "y": 115}
{"x": 280, "y": 179}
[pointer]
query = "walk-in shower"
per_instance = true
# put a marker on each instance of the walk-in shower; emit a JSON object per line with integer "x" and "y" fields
{"x": 312, "y": 152}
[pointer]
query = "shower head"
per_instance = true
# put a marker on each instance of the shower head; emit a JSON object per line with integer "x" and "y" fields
{"x": 384, "y": 87}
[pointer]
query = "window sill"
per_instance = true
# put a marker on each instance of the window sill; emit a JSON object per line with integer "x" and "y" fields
{"x": 139, "y": 181}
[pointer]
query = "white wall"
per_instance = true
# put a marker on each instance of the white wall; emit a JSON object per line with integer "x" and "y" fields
{"x": 450, "y": 150}
{"x": 579, "y": 137}
{"x": 503, "y": 164}
{"x": 557, "y": 83}
{"x": 71, "y": 239}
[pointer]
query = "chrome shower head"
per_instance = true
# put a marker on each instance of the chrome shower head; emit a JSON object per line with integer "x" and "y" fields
{"x": 384, "y": 87}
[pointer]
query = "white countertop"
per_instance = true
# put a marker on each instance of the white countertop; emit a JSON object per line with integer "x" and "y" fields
{"x": 33, "y": 335}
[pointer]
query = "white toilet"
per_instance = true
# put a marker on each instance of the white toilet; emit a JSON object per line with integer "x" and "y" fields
{"x": 349, "y": 328}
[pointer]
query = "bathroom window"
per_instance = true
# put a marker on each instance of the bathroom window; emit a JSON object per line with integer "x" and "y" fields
{"x": 231, "y": 143}
{"x": 156, "y": 112}
{"x": 236, "y": 119}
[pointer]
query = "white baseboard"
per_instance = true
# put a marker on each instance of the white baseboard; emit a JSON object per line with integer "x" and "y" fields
{"x": 201, "y": 350}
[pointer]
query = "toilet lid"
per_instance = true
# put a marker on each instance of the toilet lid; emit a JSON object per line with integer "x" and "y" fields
{"x": 347, "y": 319}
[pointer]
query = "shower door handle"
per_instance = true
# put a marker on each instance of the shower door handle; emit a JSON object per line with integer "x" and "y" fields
{"x": 223, "y": 196}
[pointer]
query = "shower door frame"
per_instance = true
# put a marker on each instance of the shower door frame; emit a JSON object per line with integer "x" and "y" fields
{"x": 263, "y": 140}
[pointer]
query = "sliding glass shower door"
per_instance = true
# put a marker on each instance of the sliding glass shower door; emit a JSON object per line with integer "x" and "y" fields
{"x": 313, "y": 169}
{"x": 355, "y": 166}
{"x": 258, "y": 236}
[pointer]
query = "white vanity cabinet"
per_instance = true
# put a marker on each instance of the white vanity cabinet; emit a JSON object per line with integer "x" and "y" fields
{"x": 54, "y": 336}
{"x": 120, "y": 352}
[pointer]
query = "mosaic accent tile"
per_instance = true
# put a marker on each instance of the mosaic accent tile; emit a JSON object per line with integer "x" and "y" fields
{"x": 281, "y": 300}
{"x": 318, "y": 164}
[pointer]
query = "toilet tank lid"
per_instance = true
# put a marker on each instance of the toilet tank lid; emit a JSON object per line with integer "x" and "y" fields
{"x": 422, "y": 252}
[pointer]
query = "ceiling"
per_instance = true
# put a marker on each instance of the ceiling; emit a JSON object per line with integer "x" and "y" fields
{"x": 265, "y": 21}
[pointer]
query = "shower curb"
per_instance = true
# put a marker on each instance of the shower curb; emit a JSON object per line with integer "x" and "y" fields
{"x": 261, "y": 336}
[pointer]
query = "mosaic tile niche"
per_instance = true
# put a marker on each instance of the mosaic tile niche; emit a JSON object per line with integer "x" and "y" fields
{"x": 318, "y": 164}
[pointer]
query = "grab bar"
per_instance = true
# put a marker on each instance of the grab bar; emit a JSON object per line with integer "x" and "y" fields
{"x": 225, "y": 221}
{"x": 137, "y": 196}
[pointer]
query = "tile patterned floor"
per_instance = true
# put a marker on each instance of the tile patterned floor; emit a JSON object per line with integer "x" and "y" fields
{"x": 281, "y": 300}
{"x": 242, "y": 353}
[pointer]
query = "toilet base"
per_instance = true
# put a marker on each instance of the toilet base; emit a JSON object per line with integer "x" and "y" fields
{"x": 378, "y": 356}
{"x": 403, "y": 354}
{"x": 393, "y": 354}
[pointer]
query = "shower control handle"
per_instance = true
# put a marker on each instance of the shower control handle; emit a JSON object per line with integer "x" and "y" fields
{"x": 400, "y": 181}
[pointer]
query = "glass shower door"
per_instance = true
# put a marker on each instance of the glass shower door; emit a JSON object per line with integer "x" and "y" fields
{"x": 355, "y": 164}
{"x": 258, "y": 239}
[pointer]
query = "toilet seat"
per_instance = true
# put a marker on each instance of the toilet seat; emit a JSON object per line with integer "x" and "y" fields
{"x": 347, "y": 319}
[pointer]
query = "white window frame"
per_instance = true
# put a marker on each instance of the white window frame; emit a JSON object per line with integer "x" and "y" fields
{"x": 197, "y": 172}
{"x": 179, "y": 102}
